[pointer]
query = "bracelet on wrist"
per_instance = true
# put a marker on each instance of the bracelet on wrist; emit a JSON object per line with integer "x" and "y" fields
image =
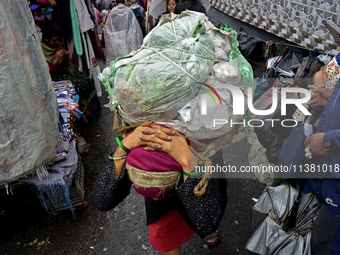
{"x": 116, "y": 158}
{"x": 121, "y": 145}
{"x": 191, "y": 174}
{"x": 54, "y": 63}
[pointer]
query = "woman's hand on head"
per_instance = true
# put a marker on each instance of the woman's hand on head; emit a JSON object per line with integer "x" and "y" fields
{"x": 157, "y": 138}
{"x": 177, "y": 147}
{"x": 133, "y": 140}
{"x": 160, "y": 132}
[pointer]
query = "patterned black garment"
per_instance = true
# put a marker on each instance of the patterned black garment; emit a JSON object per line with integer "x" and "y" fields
{"x": 110, "y": 191}
{"x": 82, "y": 83}
{"x": 202, "y": 214}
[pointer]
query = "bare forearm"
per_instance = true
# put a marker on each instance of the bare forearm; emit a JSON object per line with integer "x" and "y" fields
{"x": 119, "y": 164}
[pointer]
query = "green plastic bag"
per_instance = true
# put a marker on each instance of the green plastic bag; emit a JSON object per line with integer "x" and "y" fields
{"x": 244, "y": 67}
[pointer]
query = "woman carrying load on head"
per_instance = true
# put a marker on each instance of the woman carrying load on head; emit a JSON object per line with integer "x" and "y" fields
{"x": 169, "y": 219}
{"x": 61, "y": 68}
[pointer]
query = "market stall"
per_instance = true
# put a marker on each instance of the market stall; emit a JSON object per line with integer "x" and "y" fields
{"x": 38, "y": 136}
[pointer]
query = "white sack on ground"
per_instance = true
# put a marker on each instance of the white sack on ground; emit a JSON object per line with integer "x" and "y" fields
{"x": 29, "y": 134}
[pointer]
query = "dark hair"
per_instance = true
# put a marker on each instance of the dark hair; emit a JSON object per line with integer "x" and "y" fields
{"x": 48, "y": 33}
{"x": 111, "y": 6}
{"x": 167, "y": 11}
{"x": 191, "y": 5}
{"x": 120, "y": 1}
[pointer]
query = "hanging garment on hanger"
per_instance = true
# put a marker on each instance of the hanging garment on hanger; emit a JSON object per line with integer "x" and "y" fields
{"x": 92, "y": 70}
{"x": 91, "y": 51}
{"x": 85, "y": 22}
{"x": 75, "y": 29}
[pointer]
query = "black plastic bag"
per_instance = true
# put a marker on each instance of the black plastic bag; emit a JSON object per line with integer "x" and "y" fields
{"x": 251, "y": 47}
{"x": 273, "y": 134}
{"x": 290, "y": 63}
{"x": 306, "y": 71}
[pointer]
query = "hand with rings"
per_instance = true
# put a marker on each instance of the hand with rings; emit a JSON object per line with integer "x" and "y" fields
{"x": 169, "y": 141}
{"x": 147, "y": 128}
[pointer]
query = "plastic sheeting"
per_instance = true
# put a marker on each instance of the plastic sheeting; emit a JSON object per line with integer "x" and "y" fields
{"x": 269, "y": 214}
{"x": 29, "y": 134}
{"x": 257, "y": 154}
{"x": 121, "y": 74}
{"x": 122, "y": 33}
{"x": 181, "y": 55}
{"x": 251, "y": 47}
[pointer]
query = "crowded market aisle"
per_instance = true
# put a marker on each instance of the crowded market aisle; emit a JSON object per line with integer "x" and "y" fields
{"x": 122, "y": 230}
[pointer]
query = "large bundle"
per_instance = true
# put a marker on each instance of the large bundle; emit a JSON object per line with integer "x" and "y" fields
{"x": 29, "y": 134}
{"x": 162, "y": 81}
{"x": 162, "y": 77}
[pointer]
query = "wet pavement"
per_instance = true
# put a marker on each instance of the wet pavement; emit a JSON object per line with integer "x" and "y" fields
{"x": 122, "y": 230}
{"x": 25, "y": 228}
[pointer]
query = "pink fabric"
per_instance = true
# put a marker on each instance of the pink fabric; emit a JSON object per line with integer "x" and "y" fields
{"x": 41, "y": 1}
{"x": 152, "y": 161}
{"x": 98, "y": 16}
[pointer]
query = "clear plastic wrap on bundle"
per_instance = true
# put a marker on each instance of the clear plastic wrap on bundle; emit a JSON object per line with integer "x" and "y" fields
{"x": 161, "y": 78}
{"x": 167, "y": 79}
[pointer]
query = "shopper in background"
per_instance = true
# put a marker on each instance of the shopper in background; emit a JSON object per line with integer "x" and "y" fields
{"x": 61, "y": 68}
{"x": 139, "y": 14}
{"x": 104, "y": 15}
{"x": 122, "y": 32}
{"x": 170, "y": 7}
{"x": 325, "y": 146}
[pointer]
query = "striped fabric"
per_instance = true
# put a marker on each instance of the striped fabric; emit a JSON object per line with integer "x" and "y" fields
{"x": 93, "y": 73}
{"x": 80, "y": 63}
{"x": 54, "y": 190}
{"x": 61, "y": 172}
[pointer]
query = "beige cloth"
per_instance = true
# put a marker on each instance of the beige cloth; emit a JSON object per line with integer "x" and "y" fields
{"x": 147, "y": 180}
{"x": 84, "y": 19}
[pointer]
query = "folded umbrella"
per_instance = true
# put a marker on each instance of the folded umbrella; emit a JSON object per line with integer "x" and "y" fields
{"x": 269, "y": 214}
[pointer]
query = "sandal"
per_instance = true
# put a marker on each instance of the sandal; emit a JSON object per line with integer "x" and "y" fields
{"x": 210, "y": 236}
{"x": 82, "y": 206}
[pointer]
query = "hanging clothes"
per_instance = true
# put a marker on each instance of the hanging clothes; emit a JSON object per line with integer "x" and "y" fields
{"x": 85, "y": 21}
{"x": 92, "y": 14}
{"x": 62, "y": 18}
{"x": 96, "y": 44}
{"x": 92, "y": 63}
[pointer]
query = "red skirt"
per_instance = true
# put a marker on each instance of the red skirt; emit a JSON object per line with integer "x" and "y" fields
{"x": 169, "y": 232}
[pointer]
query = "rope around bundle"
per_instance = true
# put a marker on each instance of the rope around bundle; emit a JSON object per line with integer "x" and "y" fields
{"x": 201, "y": 187}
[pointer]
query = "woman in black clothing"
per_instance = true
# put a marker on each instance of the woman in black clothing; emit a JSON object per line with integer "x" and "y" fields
{"x": 168, "y": 211}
